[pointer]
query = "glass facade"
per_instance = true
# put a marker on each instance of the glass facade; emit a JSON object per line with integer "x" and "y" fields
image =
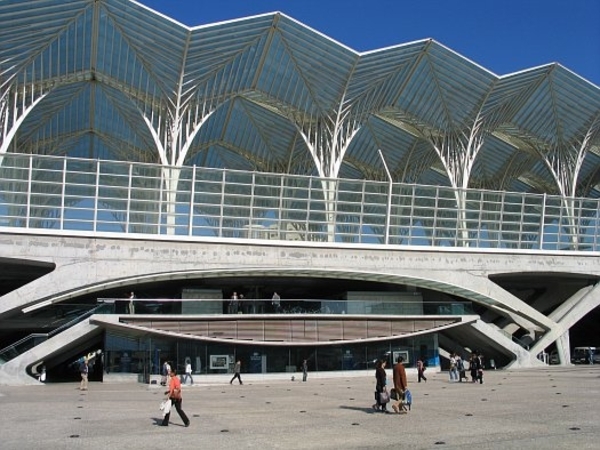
{"x": 145, "y": 355}
{"x": 71, "y": 194}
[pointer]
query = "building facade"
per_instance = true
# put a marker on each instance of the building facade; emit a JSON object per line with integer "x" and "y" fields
{"x": 261, "y": 136}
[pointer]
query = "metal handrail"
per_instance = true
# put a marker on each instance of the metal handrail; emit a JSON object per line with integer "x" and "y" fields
{"x": 384, "y": 307}
{"x": 13, "y": 350}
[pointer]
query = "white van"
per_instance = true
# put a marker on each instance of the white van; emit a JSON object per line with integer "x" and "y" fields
{"x": 581, "y": 355}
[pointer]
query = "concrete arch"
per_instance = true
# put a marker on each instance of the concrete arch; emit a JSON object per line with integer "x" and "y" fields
{"x": 85, "y": 266}
{"x": 63, "y": 284}
{"x": 52, "y": 291}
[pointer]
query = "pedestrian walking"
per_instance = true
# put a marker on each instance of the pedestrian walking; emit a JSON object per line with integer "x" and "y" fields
{"x": 476, "y": 368}
{"x": 188, "y": 372}
{"x": 380, "y": 386}
{"x": 304, "y": 370}
{"x": 453, "y": 372}
{"x": 174, "y": 394}
{"x": 236, "y": 372}
{"x": 84, "y": 370}
{"x": 400, "y": 384}
{"x": 460, "y": 366}
{"x": 166, "y": 368}
{"x": 480, "y": 368}
{"x": 421, "y": 370}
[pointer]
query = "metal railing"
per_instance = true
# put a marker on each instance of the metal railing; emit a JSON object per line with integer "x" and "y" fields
{"x": 69, "y": 194}
{"x": 382, "y": 307}
{"x": 28, "y": 342}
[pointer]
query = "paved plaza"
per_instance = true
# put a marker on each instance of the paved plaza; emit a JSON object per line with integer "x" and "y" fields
{"x": 552, "y": 408}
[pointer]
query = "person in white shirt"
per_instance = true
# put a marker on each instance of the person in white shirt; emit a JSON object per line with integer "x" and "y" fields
{"x": 188, "y": 373}
{"x": 453, "y": 369}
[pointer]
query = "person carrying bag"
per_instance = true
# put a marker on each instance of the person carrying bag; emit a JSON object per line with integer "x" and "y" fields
{"x": 381, "y": 394}
{"x": 175, "y": 398}
{"x": 400, "y": 385}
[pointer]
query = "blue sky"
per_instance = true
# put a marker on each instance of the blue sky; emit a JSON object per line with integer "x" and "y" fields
{"x": 503, "y": 36}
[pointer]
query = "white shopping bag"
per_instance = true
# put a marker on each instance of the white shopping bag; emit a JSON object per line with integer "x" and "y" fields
{"x": 165, "y": 407}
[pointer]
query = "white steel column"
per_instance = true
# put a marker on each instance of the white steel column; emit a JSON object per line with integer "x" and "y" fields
{"x": 327, "y": 139}
{"x": 457, "y": 150}
{"x": 389, "y": 201}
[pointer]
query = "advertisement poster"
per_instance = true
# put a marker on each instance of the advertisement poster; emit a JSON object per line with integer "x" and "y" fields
{"x": 219, "y": 362}
{"x": 403, "y": 353}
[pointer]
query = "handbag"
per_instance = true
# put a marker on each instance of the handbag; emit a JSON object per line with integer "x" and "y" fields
{"x": 384, "y": 397}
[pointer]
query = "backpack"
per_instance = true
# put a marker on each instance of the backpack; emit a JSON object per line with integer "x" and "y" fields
{"x": 407, "y": 398}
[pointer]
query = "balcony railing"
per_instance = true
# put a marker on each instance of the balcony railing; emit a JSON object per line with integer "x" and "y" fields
{"x": 70, "y": 194}
{"x": 288, "y": 306}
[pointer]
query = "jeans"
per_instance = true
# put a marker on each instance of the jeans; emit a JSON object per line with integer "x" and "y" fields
{"x": 453, "y": 374}
{"x": 185, "y": 376}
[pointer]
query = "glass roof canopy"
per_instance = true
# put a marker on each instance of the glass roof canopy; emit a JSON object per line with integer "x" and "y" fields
{"x": 114, "y": 80}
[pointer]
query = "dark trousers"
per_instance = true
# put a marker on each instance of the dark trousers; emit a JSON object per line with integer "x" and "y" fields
{"x": 236, "y": 375}
{"x": 379, "y": 390}
{"x": 177, "y": 404}
{"x": 421, "y": 375}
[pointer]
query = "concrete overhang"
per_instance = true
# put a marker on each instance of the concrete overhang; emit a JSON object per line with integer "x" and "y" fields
{"x": 281, "y": 330}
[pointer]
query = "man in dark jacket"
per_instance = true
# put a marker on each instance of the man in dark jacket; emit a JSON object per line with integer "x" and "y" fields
{"x": 476, "y": 368}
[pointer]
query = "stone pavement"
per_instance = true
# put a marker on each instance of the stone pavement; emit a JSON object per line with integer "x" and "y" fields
{"x": 550, "y": 408}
